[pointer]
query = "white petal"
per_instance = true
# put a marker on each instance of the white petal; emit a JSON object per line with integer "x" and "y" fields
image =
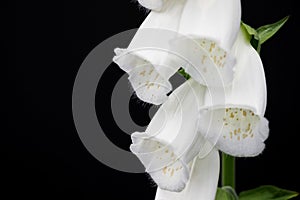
{"x": 249, "y": 87}
{"x": 206, "y": 62}
{"x": 171, "y": 140}
{"x": 238, "y": 132}
{"x": 203, "y": 183}
{"x": 217, "y": 20}
{"x": 233, "y": 118}
{"x": 210, "y": 28}
{"x": 169, "y": 19}
{"x": 161, "y": 42}
{"x": 152, "y": 48}
{"x": 156, "y": 5}
{"x": 148, "y": 84}
{"x": 151, "y": 42}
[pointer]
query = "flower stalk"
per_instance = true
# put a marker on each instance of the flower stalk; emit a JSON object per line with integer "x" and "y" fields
{"x": 228, "y": 170}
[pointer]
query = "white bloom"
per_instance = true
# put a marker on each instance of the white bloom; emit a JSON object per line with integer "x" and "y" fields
{"x": 171, "y": 141}
{"x": 177, "y": 146}
{"x": 238, "y": 126}
{"x": 221, "y": 107}
{"x": 203, "y": 182}
{"x": 194, "y": 34}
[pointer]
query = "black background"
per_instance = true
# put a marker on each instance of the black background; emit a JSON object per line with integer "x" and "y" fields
{"x": 43, "y": 156}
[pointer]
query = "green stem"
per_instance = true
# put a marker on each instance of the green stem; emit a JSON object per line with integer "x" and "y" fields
{"x": 228, "y": 170}
{"x": 184, "y": 74}
{"x": 258, "y": 48}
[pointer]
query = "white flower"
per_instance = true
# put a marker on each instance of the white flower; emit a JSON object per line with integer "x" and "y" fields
{"x": 177, "y": 148}
{"x": 172, "y": 141}
{"x": 194, "y": 34}
{"x": 220, "y": 108}
{"x": 238, "y": 126}
{"x": 203, "y": 180}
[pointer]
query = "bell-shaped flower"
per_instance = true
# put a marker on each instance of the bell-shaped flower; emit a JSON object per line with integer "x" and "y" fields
{"x": 178, "y": 148}
{"x": 237, "y": 125}
{"x": 172, "y": 141}
{"x": 203, "y": 181}
{"x": 194, "y": 34}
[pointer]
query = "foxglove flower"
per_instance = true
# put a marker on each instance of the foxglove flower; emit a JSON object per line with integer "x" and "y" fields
{"x": 172, "y": 141}
{"x": 178, "y": 148}
{"x": 203, "y": 180}
{"x": 237, "y": 126}
{"x": 194, "y": 34}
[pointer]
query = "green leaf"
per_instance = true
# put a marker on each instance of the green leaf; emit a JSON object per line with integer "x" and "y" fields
{"x": 267, "y": 192}
{"x": 251, "y": 31}
{"x": 226, "y": 193}
{"x": 252, "y": 36}
{"x": 267, "y": 31}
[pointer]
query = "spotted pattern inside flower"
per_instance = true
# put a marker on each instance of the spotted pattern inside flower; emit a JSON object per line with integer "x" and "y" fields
{"x": 164, "y": 155}
{"x": 216, "y": 54}
{"x": 173, "y": 177}
{"x": 162, "y": 163}
{"x": 235, "y": 131}
{"x": 208, "y": 63}
{"x": 239, "y": 124}
{"x": 148, "y": 84}
{"x": 158, "y": 151}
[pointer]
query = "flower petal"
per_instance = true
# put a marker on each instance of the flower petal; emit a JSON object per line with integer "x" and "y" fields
{"x": 238, "y": 132}
{"x": 151, "y": 48}
{"x": 171, "y": 140}
{"x": 203, "y": 183}
{"x": 237, "y": 125}
{"x": 210, "y": 28}
{"x": 217, "y": 20}
{"x": 206, "y": 62}
{"x": 162, "y": 43}
{"x": 155, "y": 5}
{"x": 148, "y": 84}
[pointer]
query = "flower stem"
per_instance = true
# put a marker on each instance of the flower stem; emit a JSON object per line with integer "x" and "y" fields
{"x": 184, "y": 74}
{"x": 228, "y": 170}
